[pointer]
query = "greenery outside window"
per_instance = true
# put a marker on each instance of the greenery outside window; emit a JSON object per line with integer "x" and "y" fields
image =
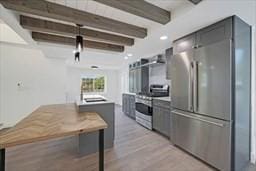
{"x": 93, "y": 84}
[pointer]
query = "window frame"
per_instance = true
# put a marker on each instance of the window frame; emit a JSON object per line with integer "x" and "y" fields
{"x": 93, "y": 77}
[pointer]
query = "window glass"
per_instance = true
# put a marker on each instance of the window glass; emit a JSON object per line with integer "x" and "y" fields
{"x": 95, "y": 84}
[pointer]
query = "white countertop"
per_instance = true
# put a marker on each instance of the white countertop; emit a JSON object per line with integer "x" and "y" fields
{"x": 163, "y": 98}
{"x": 130, "y": 93}
{"x": 83, "y": 102}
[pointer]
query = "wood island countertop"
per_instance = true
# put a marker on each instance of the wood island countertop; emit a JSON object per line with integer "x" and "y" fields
{"x": 51, "y": 121}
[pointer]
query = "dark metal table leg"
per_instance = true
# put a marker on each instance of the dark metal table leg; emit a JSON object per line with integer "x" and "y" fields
{"x": 101, "y": 150}
{"x": 2, "y": 159}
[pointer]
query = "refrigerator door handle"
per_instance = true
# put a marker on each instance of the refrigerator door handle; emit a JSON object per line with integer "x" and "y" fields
{"x": 195, "y": 86}
{"x": 199, "y": 119}
{"x": 190, "y": 95}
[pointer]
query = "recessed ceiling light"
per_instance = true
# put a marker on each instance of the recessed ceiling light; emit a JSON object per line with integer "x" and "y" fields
{"x": 129, "y": 54}
{"x": 126, "y": 57}
{"x": 164, "y": 37}
{"x": 94, "y": 67}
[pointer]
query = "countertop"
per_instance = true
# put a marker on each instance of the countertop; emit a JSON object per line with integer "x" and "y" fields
{"x": 163, "y": 98}
{"x": 130, "y": 93}
{"x": 84, "y": 103}
{"x": 51, "y": 121}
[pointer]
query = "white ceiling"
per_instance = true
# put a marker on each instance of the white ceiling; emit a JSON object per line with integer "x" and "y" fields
{"x": 7, "y": 34}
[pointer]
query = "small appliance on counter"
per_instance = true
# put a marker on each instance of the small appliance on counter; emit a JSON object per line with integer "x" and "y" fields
{"x": 143, "y": 104}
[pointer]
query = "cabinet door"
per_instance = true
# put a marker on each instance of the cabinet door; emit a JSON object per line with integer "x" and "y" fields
{"x": 166, "y": 121}
{"x": 138, "y": 80}
{"x": 123, "y": 103}
{"x": 184, "y": 44}
{"x": 134, "y": 81}
{"x": 168, "y": 54}
{"x": 156, "y": 118}
{"x": 132, "y": 106}
{"x": 214, "y": 33}
{"x": 130, "y": 81}
{"x": 126, "y": 105}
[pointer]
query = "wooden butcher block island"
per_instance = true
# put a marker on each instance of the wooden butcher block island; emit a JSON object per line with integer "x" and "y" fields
{"x": 53, "y": 121}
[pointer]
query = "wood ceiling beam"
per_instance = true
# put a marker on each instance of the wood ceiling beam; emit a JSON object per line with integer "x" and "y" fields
{"x": 60, "y": 12}
{"x": 195, "y": 1}
{"x": 39, "y": 25}
{"x": 140, "y": 8}
{"x": 49, "y": 38}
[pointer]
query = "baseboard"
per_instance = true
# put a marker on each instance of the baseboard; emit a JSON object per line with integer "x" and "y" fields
{"x": 2, "y": 126}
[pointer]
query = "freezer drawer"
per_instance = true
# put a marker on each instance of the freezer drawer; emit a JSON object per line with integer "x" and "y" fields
{"x": 204, "y": 137}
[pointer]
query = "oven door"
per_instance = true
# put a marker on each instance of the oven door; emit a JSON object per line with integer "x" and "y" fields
{"x": 144, "y": 113}
{"x": 143, "y": 107}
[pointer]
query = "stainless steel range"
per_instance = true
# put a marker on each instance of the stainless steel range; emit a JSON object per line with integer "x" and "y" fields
{"x": 143, "y": 104}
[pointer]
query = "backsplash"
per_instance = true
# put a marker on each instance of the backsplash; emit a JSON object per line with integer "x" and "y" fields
{"x": 157, "y": 75}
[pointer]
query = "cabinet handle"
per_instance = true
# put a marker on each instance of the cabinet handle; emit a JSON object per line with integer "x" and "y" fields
{"x": 196, "y": 46}
{"x": 199, "y": 119}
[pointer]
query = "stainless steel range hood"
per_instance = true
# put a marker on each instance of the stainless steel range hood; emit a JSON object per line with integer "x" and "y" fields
{"x": 156, "y": 60}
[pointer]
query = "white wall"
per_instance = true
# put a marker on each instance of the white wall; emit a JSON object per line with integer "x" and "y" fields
{"x": 157, "y": 75}
{"x": 74, "y": 82}
{"x": 123, "y": 77}
{"x": 42, "y": 82}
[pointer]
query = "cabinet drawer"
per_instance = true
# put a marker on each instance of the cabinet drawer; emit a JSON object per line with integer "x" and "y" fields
{"x": 162, "y": 103}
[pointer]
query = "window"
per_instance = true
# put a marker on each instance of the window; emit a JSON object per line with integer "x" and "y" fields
{"x": 93, "y": 84}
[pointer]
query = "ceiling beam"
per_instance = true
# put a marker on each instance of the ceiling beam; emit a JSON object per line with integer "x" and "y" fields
{"x": 195, "y": 1}
{"x": 49, "y": 38}
{"x": 39, "y": 25}
{"x": 60, "y": 12}
{"x": 140, "y": 8}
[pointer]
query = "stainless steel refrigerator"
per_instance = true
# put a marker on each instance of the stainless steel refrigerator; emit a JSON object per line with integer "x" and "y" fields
{"x": 210, "y": 95}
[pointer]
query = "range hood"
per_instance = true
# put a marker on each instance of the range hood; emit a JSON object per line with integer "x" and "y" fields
{"x": 155, "y": 60}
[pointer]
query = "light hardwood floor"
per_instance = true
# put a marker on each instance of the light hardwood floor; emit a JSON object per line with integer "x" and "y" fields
{"x": 135, "y": 149}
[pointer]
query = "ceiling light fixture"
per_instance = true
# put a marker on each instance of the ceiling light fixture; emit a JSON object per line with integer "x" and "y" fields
{"x": 77, "y": 56}
{"x": 129, "y": 54}
{"x": 163, "y": 37}
{"x": 94, "y": 67}
{"x": 126, "y": 57}
{"x": 79, "y": 44}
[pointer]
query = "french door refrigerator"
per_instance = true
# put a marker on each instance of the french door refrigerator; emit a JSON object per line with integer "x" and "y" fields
{"x": 211, "y": 94}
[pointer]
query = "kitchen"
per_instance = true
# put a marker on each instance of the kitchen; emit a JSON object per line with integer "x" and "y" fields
{"x": 177, "y": 85}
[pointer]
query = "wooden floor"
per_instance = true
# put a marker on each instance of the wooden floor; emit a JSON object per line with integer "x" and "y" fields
{"x": 135, "y": 149}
